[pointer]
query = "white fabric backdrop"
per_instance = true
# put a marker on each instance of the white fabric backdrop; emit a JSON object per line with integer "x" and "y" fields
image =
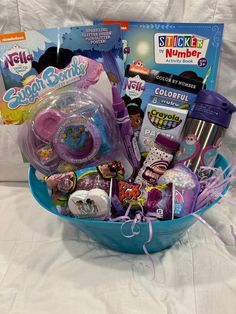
{"x": 47, "y": 266}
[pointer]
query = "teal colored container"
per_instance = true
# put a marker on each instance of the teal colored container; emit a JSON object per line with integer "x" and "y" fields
{"x": 165, "y": 233}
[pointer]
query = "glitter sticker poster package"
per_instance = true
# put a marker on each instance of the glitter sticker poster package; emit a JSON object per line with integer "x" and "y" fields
{"x": 24, "y": 55}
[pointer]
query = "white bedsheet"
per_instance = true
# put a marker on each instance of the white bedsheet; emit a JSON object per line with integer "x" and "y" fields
{"x": 47, "y": 266}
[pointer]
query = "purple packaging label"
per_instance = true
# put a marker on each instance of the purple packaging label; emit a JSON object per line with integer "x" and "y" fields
{"x": 186, "y": 188}
{"x": 159, "y": 202}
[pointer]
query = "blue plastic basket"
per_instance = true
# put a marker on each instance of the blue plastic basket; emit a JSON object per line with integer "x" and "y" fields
{"x": 165, "y": 233}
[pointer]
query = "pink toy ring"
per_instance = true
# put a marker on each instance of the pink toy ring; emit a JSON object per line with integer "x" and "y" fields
{"x": 46, "y": 123}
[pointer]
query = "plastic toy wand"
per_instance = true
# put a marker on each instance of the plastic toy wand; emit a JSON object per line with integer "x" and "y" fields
{"x": 126, "y": 131}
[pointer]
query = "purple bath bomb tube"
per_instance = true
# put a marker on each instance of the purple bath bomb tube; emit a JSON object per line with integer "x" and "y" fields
{"x": 126, "y": 130}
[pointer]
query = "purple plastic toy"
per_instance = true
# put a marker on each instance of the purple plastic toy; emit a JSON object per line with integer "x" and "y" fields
{"x": 186, "y": 188}
{"x": 46, "y": 122}
{"x": 64, "y": 138}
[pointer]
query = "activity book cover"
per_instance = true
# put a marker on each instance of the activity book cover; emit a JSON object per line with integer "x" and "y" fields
{"x": 24, "y": 55}
{"x": 189, "y": 50}
{"x": 166, "y": 65}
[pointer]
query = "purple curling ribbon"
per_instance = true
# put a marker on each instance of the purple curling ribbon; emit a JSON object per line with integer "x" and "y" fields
{"x": 214, "y": 186}
{"x": 233, "y": 233}
{"x": 135, "y": 221}
{"x": 139, "y": 217}
{"x": 125, "y": 217}
{"x": 145, "y": 248}
{"x": 134, "y": 224}
{"x": 213, "y": 230}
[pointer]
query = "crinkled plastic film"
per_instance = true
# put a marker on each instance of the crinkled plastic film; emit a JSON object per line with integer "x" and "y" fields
{"x": 71, "y": 129}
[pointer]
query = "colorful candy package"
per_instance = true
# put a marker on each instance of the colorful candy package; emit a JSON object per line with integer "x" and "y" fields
{"x": 84, "y": 193}
{"x": 186, "y": 188}
{"x": 155, "y": 201}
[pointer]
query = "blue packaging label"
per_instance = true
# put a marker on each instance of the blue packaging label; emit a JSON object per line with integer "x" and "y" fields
{"x": 179, "y": 203}
{"x": 191, "y": 50}
{"x": 24, "y": 55}
{"x": 176, "y": 48}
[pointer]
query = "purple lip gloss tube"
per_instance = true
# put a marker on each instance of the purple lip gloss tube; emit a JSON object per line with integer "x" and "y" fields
{"x": 126, "y": 131}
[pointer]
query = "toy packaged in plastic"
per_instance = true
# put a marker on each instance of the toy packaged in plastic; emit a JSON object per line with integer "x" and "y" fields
{"x": 155, "y": 200}
{"x": 18, "y": 103}
{"x": 84, "y": 193}
{"x": 72, "y": 127}
{"x": 71, "y": 130}
{"x": 186, "y": 188}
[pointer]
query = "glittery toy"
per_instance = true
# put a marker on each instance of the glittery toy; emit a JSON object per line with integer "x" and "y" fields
{"x": 77, "y": 140}
{"x": 63, "y": 182}
{"x": 62, "y": 185}
{"x": 71, "y": 123}
{"x": 64, "y": 137}
{"x": 186, "y": 188}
